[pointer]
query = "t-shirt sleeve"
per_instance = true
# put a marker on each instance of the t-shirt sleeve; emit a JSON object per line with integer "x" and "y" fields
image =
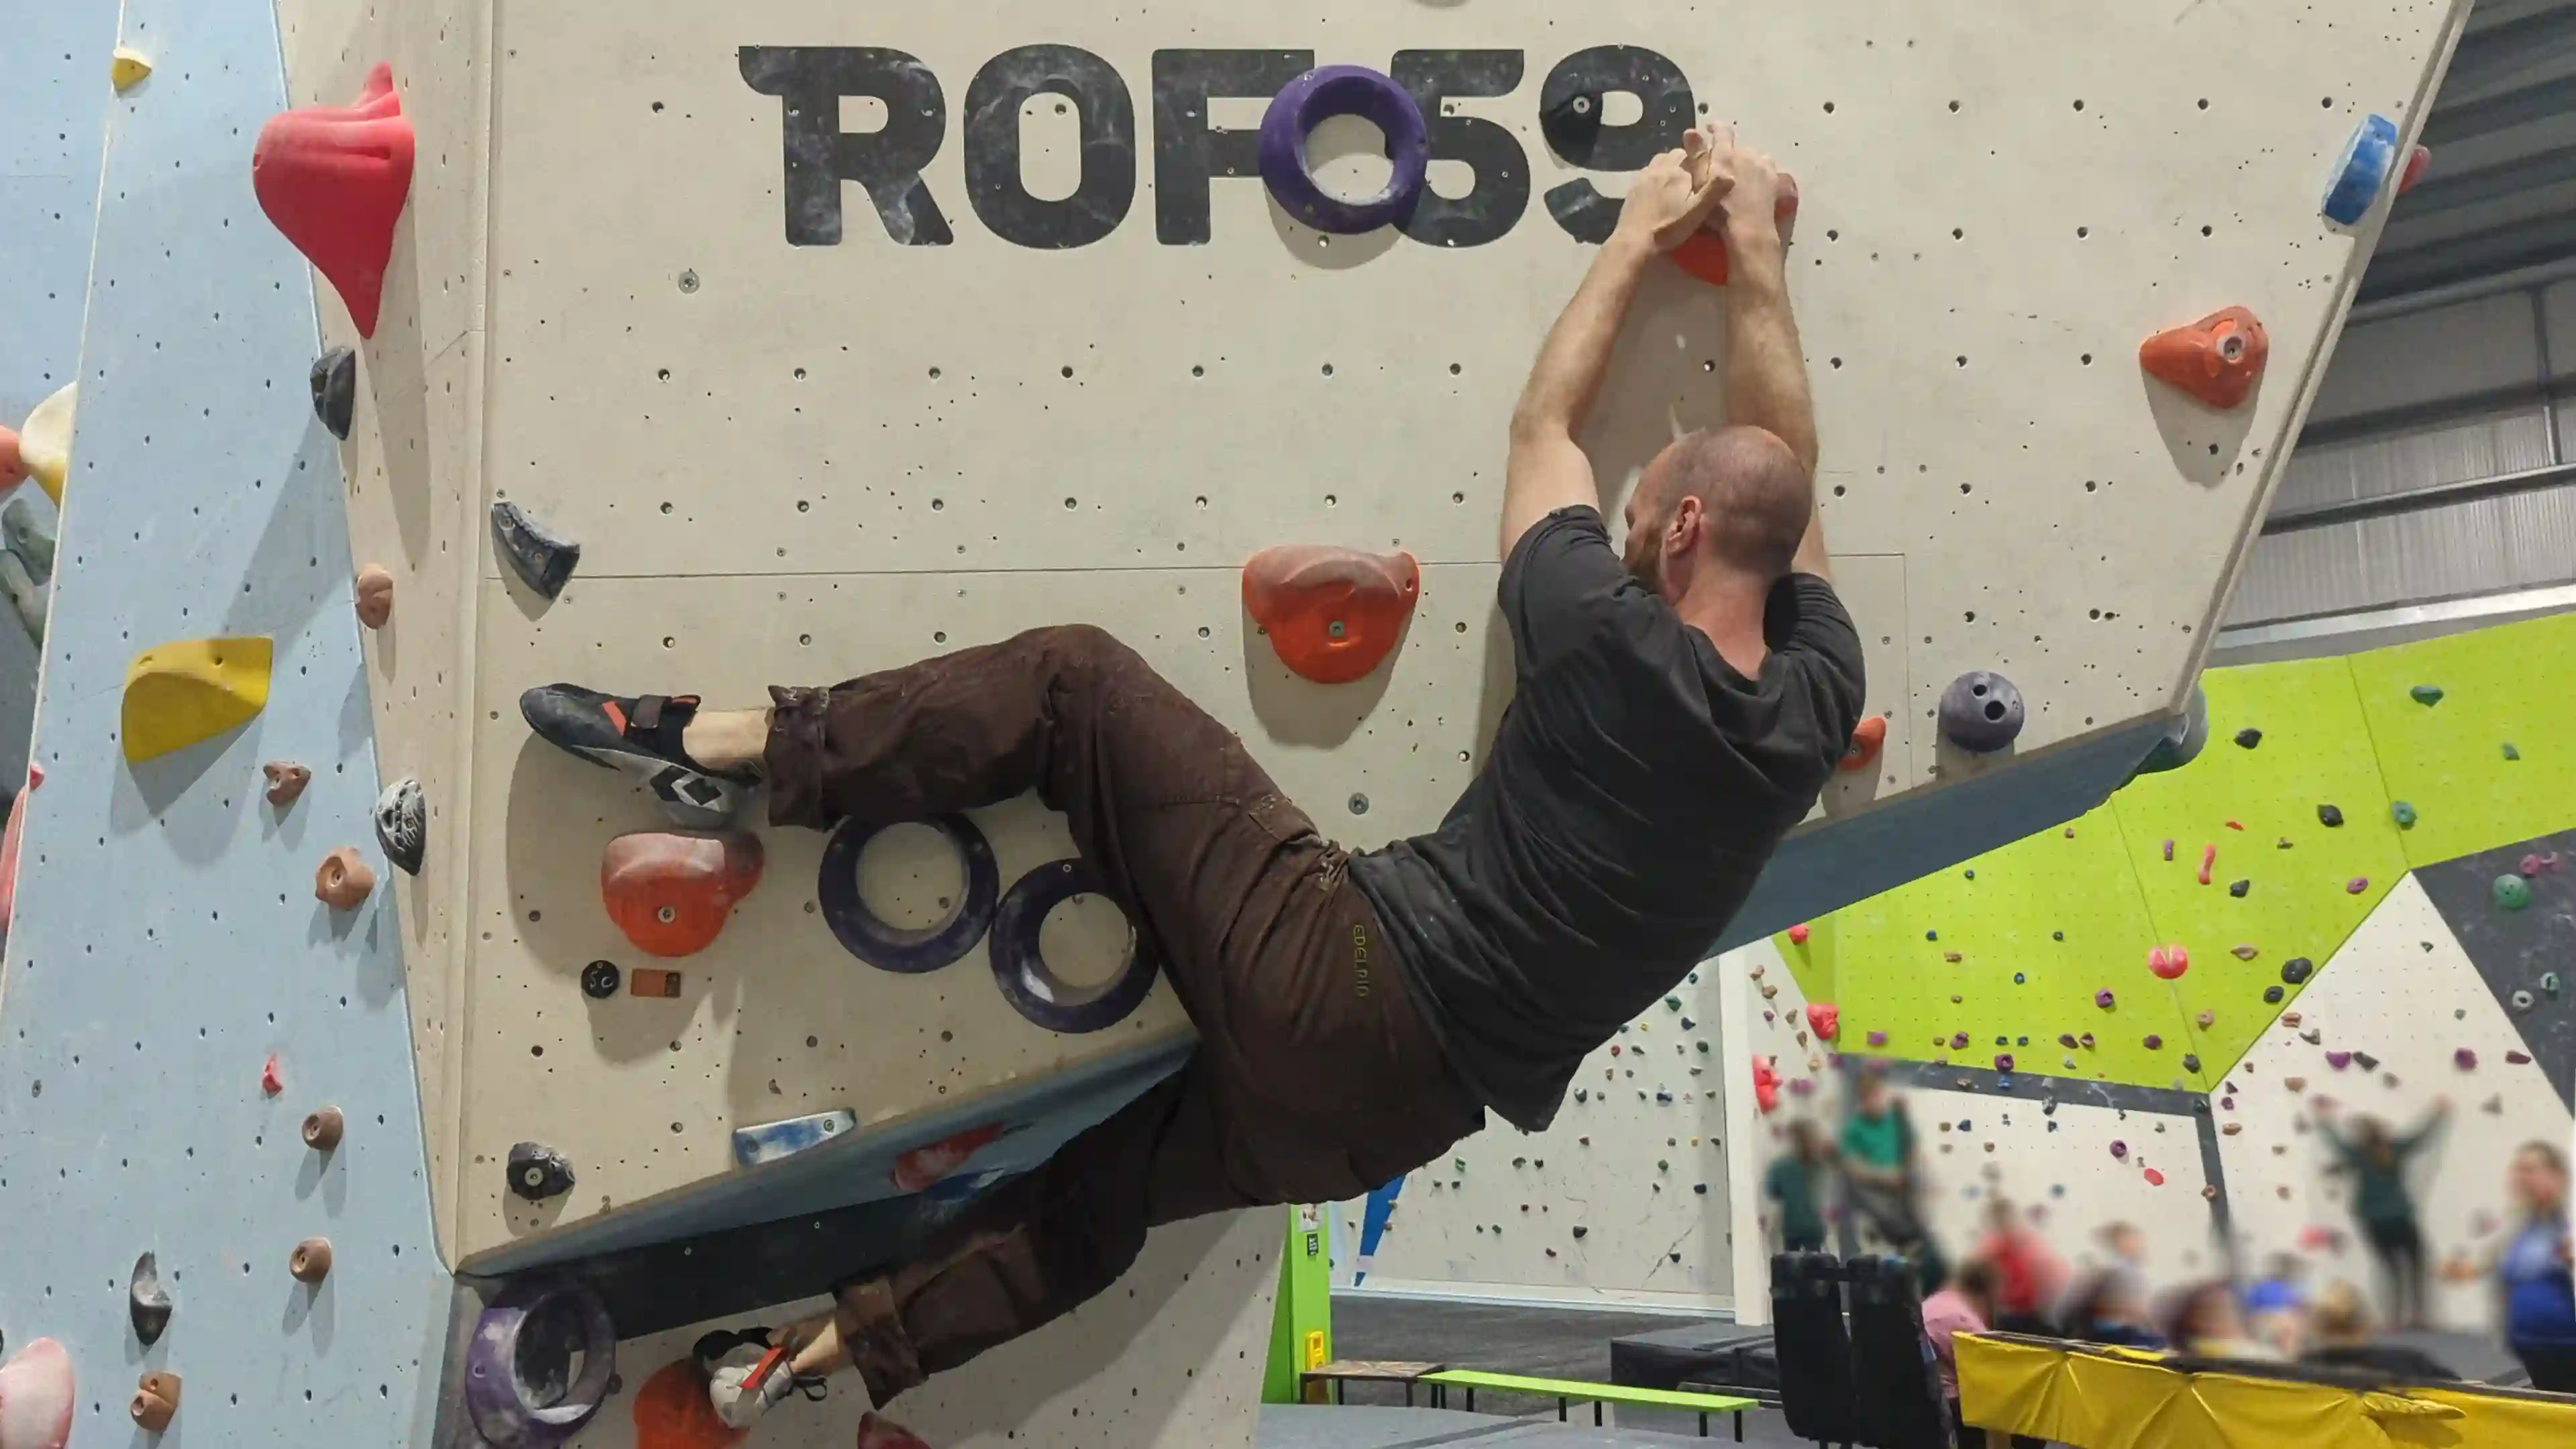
{"x": 1563, "y": 584}
{"x": 1809, "y": 627}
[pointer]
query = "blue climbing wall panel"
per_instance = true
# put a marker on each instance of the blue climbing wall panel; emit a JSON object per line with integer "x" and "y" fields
{"x": 167, "y": 939}
{"x": 53, "y": 115}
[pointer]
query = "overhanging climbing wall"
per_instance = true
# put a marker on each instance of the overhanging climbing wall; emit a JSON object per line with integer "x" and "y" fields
{"x": 834, "y": 346}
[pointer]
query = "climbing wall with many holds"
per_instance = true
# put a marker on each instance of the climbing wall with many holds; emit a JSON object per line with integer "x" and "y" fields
{"x": 828, "y": 355}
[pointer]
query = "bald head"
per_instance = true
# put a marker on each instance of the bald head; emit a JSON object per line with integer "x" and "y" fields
{"x": 1757, "y": 497}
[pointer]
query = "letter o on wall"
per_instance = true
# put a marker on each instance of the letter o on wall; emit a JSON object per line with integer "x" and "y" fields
{"x": 994, "y": 186}
{"x": 1343, "y": 90}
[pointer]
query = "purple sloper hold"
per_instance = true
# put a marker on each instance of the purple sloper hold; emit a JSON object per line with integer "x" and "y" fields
{"x": 1344, "y": 90}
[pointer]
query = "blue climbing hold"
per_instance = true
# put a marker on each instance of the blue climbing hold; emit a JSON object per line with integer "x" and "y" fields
{"x": 2403, "y": 814}
{"x": 2362, "y": 172}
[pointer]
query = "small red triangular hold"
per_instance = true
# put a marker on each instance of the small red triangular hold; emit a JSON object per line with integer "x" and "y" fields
{"x": 333, "y": 179}
{"x": 2217, "y": 359}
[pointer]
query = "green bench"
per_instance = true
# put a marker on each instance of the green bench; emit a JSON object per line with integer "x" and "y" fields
{"x": 1567, "y": 1391}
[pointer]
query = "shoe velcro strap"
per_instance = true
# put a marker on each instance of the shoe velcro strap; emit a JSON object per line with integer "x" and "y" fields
{"x": 648, "y": 712}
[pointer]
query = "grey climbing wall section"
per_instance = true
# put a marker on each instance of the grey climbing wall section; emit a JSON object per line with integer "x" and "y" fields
{"x": 2524, "y": 953}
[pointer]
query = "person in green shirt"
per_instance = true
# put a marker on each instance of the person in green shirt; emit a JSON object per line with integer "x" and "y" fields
{"x": 2377, "y": 1160}
{"x": 1795, "y": 1181}
{"x": 1878, "y": 1167}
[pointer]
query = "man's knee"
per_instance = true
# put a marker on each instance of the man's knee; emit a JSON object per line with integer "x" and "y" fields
{"x": 1082, "y": 651}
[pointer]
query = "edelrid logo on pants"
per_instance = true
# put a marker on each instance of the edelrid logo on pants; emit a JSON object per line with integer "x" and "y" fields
{"x": 1359, "y": 957}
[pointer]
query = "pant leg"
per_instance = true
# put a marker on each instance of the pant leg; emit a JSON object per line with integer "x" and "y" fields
{"x": 2552, "y": 1367}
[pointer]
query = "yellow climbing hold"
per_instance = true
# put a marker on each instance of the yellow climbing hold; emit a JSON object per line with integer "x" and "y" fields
{"x": 192, "y": 689}
{"x": 45, "y": 444}
{"x": 126, "y": 67}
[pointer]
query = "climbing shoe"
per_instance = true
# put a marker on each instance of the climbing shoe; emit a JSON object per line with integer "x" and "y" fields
{"x": 746, "y": 1377}
{"x": 640, "y": 736}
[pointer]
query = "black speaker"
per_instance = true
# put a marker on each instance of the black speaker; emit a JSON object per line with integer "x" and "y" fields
{"x": 1897, "y": 1401}
{"x": 1813, "y": 1348}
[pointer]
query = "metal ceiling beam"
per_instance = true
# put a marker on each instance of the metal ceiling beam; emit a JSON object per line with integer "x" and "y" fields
{"x": 2451, "y": 122}
{"x": 2490, "y": 55}
{"x": 2525, "y": 243}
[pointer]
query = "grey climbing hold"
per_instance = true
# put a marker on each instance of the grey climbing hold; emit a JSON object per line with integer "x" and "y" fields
{"x": 30, "y": 540}
{"x": 2522, "y": 1001}
{"x": 2312, "y": 1036}
{"x": 543, "y": 559}
{"x": 1981, "y": 712}
{"x": 2510, "y": 752}
{"x": 538, "y": 1172}
{"x": 402, "y": 824}
{"x": 2238, "y": 888}
{"x": 2329, "y": 817}
{"x": 147, "y": 1302}
{"x": 335, "y": 390}
{"x": 2190, "y": 1062}
{"x": 2368, "y": 1062}
{"x": 2549, "y": 982}
{"x": 2249, "y": 738}
{"x": 2297, "y": 969}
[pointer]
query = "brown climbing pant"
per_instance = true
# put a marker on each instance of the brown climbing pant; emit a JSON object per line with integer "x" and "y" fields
{"x": 1313, "y": 1080}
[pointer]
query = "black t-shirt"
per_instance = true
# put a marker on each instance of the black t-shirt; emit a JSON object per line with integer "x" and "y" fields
{"x": 1635, "y": 790}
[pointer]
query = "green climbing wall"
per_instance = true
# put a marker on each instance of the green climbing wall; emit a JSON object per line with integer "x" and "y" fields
{"x": 2042, "y": 925}
{"x": 2504, "y": 686}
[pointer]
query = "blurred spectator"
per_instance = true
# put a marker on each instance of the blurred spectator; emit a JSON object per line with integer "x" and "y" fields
{"x": 1879, "y": 1172}
{"x": 2203, "y": 1319}
{"x": 2276, "y": 1306}
{"x": 2109, "y": 1305}
{"x": 2532, "y": 1271}
{"x": 2383, "y": 1206}
{"x": 2028, "y": 1274}
{"x": 1796, "y": 1181}
{"x": 2342, "y": 1329}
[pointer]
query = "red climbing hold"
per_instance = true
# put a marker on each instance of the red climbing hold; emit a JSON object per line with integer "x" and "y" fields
{"x": 1868, "y": 738}
{"x": 1333, "y": 614}
{"x": 924, "y": 1168}
{"x": 2217, "y": 359}
{"x": 272, "y": 1080}
{"x": 13, "y": 463}
{"x": 2155, "y": 1178}
{"x": 2418, "y": 161}
{"x": 1825, "y": 1019}
{"x": 1705, "y": 256}
{"x": 671, "y": 893}
{"x": 2169, "y": 962}
{"x": 2208, "y": 862}
{"x": 9, "y": 838}
{"x": 333, "y": 179}
{"x": 1797, "y": 933}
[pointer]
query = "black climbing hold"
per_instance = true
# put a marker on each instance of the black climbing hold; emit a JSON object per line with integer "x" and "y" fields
{"x": 543, "y": 559}
{"x": 2190, "y": 1062}
{"x": 2183, "y": 738}
{"x": 538, "y": 1172}
{"x": 2249, "y": 738}
{"x": 1020, "y": 968}
{"x": 521, "y": 1385}
{"x": 2329, "y": 817}
{"x": 2272, "y": 995}
{"x": 2057, "y": 935}
{"x": 1579, "y": 1232}
{"x": 1981, "y": 712}
{"x": 1569, "y": 115}
{"x": 2238, "y": 888}
{"x": 402, "y": 824}
{"x": 2366, "y": 1061}
{"x": 147, "y": 1302}
{"x": 2296, "y": 970}
{"x": 335, "y": 390}
{"x": 909, "y": 953}
{"x": 599, "y": 980}
{"x": 1700, "y": 1188}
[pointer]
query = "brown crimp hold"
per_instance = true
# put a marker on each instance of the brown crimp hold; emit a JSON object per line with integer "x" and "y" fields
{"x": 311, "y": 1260}
{"x": 647, "y": 981}
{"x": 344, "y": 881}
{"x": 375, "y": 589}
{"x": 286, "y": 781}
{"x": 156, "y": 1401}
{"x": 323, "y": 1128}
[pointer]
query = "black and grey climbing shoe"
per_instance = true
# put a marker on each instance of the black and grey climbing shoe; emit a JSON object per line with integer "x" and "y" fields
{"x": 640, "y": 736}
{"x": 746, "y": 1377}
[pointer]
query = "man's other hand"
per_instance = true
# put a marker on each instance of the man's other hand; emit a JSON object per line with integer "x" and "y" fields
{"x": 1748, "y": 183}
{"x": 1670, "y": 200}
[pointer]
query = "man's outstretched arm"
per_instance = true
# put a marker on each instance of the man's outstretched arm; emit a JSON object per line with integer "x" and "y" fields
{"x": 1547, "y": 471}
{"x": 1766, "y": 373}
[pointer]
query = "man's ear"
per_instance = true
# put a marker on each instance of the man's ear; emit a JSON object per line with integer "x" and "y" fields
{"x": 1690, "y": 520}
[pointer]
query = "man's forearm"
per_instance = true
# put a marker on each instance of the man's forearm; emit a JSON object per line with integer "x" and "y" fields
{"x": 1766, "y": 372}
{"x": 1576, "y": 357}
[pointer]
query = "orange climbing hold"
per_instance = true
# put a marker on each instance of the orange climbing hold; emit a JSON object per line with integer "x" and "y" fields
{"x": 1868, "y": 738}
{"x": 333, "y": 179}
{"x": 1333, "y": 614}
{"x": 672, "y": 893}
{"x": 1705, "y": 255}
{"x": 13, "y": 462}
{"x": 672, "y": 1411}
{"x": 2217, "y": 359}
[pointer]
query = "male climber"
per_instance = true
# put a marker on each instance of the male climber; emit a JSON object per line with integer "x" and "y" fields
{"x": 1678, "y": 711}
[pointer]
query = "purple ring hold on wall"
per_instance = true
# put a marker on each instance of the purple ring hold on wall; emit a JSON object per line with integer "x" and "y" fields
{"x": 516, "y": 1384}
{"x": 1344, "y": 90}
{"x": 1020, "y": 968}
{"x": 889, "y": 948}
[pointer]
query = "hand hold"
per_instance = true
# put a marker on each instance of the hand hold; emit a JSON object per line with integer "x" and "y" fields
{"x": 188, "y": 690}
{"x": 2208, "y": 862}
{"x": 2155, "y": 1043}
{"x": 2367, "y": 1062}
{"x": 2290, "y": 1019}
{"x": 2217, "y": 360}
{"x": 2427, "y": 695}
{"x": 2003, "y": 1061}
{"x": 2362, "y": 171}
{"x": 2339, "y": 1060}
{"x": 2418, "y": 161}
{"x": 333, "y": 180}
{"x": 13, "y": 459}
{"x": 2248, "y": 738}
{"x": 2104, "y": 999}
{"x": 1798, "y": 935}
{"x": 2465, "y": 1059}
{"x": 155, "y": 1402}
{"x": 311, "y": 1260}
{"x": 272, "y": 1077}
{"x": 1344, "y": 90}
{"x": 2512, "y": 893}
{"x": 335, "y": 390}
{"x": 126, "y": 69}
{"x": 2085, "y": 1041}
{"x": 1868, "y": 741}
{"x": 2402, "y": 813}
{"x": 147, "y": 1303}
{"x": 375, "y": 595}
{"x": 538, "y": 1172}
{"x": 2518, "y": 1058}
{"x": 1876, "y": 1039}
{"x": 672, "y": 893}
{"x": 402, "y": 824}
{"x": 2522, "y": 1001}
{"x": 2296, "y": 970}
{"x": 344, "y": 881}
{"x": 2238, "y": 888}
{"x": 2169, "y": 850}
{"x": 2295, "y": 1084}
{"x": 323, "y": 1128}
{"x": 2356, "y": 885}
{"x": 45, "y": 443}
{"x": 2120, "y": 1151}
{"x": 1981, "y": 712}
{"x": 543, "y": 559}
{"x": 2168, "y": 962}
{"x": 286, "y": 781}
{"x": 2205, "y": 1020}
{"x": 2531, "y": 867}
{"x": 1959, "y": 1041}
{"x": 2244, "y": 952}
{"x": 1333, "y": 614}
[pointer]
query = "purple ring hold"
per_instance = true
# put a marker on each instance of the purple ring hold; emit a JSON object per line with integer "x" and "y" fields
{"x": 1020, "y": 969}
{"x": 514, "y": 1386}
{"x": 888, "y": 948}
{"x": 1344, "y": 90}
